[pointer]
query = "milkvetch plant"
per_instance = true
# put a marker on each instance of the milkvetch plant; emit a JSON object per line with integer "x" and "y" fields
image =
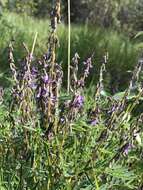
{"x": 50, "y": 139}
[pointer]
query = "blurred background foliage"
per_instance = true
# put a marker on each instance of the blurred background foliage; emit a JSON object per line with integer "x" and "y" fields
{"x": 123, "y": 15}
{"x": 97, "y": 26}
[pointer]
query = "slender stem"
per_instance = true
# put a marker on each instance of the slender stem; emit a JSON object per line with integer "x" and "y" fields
{"x": 69, "y": 45}
{"x": 34, "y": 42}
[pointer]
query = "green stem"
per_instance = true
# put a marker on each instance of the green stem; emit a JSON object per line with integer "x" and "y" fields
{"x": 69, "y": 45}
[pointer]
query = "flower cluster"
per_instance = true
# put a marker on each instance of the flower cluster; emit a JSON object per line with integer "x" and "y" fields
{"x": 88, "y": 66}
{"x": 77, "y": 79}
{"x": 37, "y": 90}
{"x": 23, "y": 88}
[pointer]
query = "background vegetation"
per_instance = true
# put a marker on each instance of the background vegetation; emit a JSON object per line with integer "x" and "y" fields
{"x": 123, "y": 51}
{"x": 122, "y": 15}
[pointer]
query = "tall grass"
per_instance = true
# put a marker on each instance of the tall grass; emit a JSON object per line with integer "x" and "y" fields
{"x": 84, "y": 40}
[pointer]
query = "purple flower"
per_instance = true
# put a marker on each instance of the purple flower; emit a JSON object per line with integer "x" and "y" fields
{"x": 78, "y": 101}
{"x": 41, "y": 93}
{"x": 126, "y": 149}
{"x": 113, "y": 108}
{"x": 34, "y": 71}
{"x": 93, "y": 122}
{"x": 46, "y": 79}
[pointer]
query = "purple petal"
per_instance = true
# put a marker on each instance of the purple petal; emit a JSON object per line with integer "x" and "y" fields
{"x": 93, "y": 122}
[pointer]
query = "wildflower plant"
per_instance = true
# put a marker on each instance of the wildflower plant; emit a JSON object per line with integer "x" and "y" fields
{"x": 49, "y": 140}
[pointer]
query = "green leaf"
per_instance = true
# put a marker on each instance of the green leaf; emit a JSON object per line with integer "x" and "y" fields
{"x": 139, "y": 34}
{"x": 120, "y": 172}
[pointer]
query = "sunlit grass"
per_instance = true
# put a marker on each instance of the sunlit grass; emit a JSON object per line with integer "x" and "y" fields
{"x": 84, "y": 40}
